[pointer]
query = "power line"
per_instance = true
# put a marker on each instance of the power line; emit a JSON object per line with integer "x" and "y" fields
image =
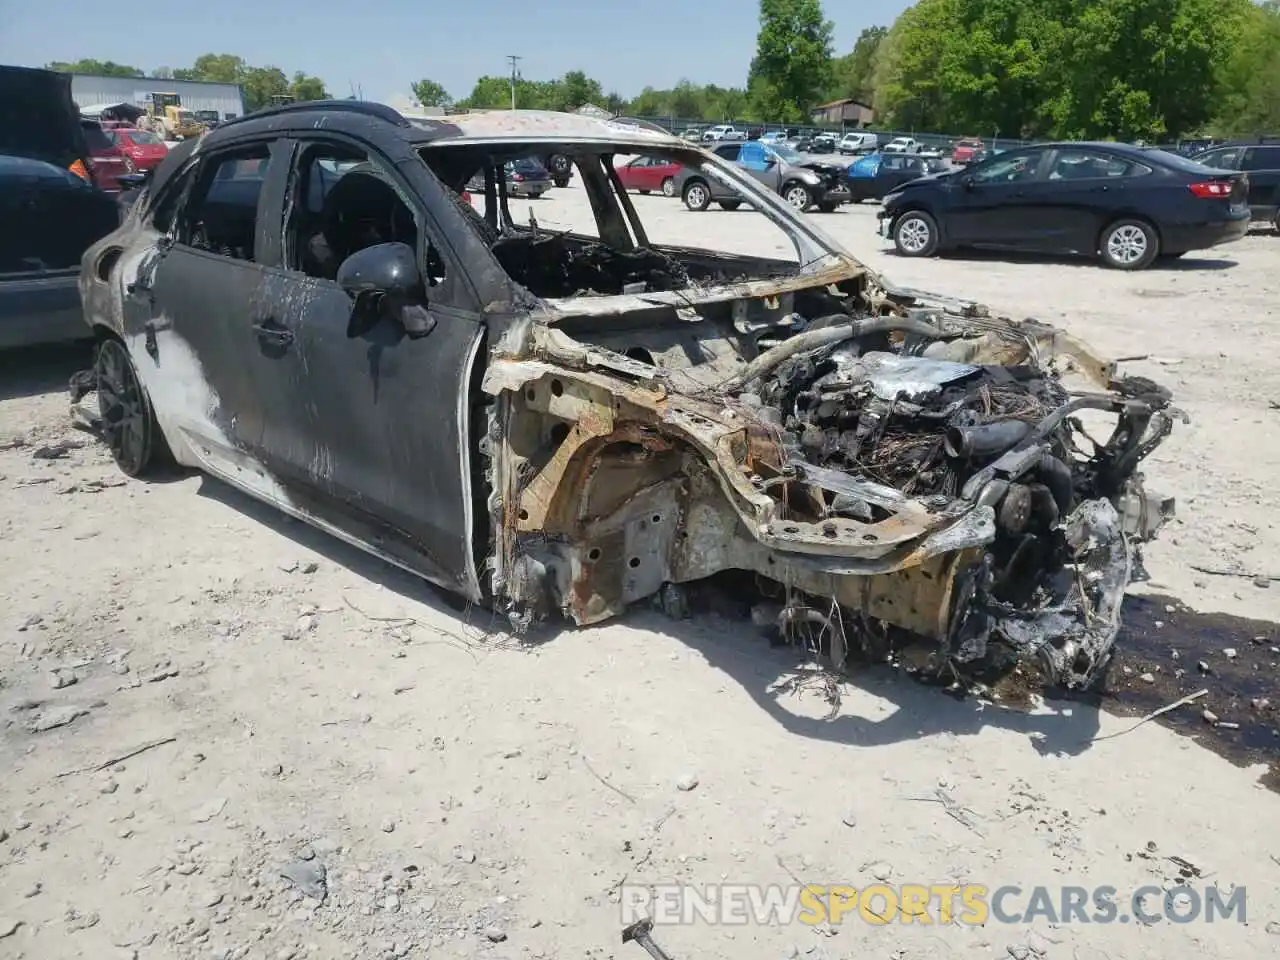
{"x": 514, "y": 59}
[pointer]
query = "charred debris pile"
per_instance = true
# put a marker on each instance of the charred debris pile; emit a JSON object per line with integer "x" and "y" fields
{"x": 959, "y": 414}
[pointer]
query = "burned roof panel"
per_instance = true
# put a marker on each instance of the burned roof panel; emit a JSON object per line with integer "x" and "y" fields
{"x": 489, "y": 125}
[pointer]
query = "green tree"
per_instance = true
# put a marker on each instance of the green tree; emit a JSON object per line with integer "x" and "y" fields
{"x": 1249, "y": 82}
{"x": 97, "y": 68}
{"x": 215, "y": 68}
{"x": 853, "y": 75}
{"x": 577, "y": 89}
{"x": 1147, "y": 68}
{"x": 428, "y": 93}
{"x": 792, "y": 65}
{"x": 304, "y": 87}
{"x": 261, "y": 84}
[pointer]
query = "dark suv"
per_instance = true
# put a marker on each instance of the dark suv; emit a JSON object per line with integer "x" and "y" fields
{"x": 1260, "y": 160}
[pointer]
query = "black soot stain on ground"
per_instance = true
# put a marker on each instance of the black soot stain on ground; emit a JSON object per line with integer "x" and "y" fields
{"x": 1167, "y": 651}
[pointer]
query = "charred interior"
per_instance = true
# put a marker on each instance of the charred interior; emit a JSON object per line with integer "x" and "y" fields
{"x": 889, "y": 465}
{"x": 559, "y": 263}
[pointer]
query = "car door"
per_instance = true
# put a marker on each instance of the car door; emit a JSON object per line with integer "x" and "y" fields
{"x": 761, "y": 163}
{"x": 190, "y": 314}
{"x": 895, "y": 170}
{"x": 992, "y": 204}
{"x": 1083, "y": 188}
{"x": 372, "y": 432}
{"x": 729, "y": 152}
{"x": 1262, "y": 165}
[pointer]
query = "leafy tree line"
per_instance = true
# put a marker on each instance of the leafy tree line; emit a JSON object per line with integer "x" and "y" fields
{"x": 1129, "y": 69}
{"x": 260, "y": 83}
{"x": 1153, "y": 69}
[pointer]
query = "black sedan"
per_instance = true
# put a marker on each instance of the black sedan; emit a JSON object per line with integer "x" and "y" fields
{"x": 1124, "y": 204}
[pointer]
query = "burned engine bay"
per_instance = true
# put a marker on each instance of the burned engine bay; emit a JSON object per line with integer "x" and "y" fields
{"x": 886, "y": 467}
{"x": 894, "y": 470}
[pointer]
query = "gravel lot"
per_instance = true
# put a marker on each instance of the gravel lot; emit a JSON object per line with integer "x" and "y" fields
{"x": 471, "y": 797}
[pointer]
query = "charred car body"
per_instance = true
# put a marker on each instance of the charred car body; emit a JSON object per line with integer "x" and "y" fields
{"x": 556, "y": 423}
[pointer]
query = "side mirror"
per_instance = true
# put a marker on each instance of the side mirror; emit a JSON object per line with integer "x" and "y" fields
{"x": 770, "y": 162}
{"x": 384, "y": 268}
{"x": 383, "y": 280}
{"x": 968, "y": 182}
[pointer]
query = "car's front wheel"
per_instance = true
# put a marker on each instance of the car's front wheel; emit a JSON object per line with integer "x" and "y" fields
{"x": 798, "y": 195}
{"x": 915, "y": 234}
{"x": 129, "y": 424}
{"x": 668, "y": 187}
{"x": 1129, "y": 245}
{"x": 697, "y": 195}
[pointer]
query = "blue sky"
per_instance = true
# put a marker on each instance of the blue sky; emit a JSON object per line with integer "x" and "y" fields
{"x": 384, "y": 45}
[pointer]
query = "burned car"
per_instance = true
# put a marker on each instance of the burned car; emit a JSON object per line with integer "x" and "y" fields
{"x": 560, "y": 423}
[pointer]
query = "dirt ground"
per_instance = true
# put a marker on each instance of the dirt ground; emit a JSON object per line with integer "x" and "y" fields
{"x": 311, "y": 711}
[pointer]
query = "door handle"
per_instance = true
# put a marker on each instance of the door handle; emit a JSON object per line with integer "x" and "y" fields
{"x": 268, "y": 332}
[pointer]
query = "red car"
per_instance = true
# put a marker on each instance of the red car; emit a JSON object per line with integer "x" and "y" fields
{"x": 648, "y": 174}
{"x": 964, "y": 150}
{"x": 106, "y": 162}
{"x": 143, "y": 148}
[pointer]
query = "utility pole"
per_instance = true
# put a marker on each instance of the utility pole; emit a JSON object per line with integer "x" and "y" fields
{"x": 514, "y": 60}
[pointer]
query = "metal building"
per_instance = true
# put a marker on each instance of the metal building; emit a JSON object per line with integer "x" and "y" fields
{"x": 226, "y": 98}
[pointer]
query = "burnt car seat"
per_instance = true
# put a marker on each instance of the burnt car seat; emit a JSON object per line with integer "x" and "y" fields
{"x": 361, "y": 210}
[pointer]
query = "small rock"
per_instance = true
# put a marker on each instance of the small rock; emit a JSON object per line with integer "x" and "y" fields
{"x": 274, "y": 770}
{"x": 1127, "y": 670}
{"x": 1258, "y": 703}
{"x": 213, "y": 898}
{"x": 185, "y": 869}
{"x": 59, "y": 679}
{"x": 1229, "y": 653}
{"x": 306, "y": 853}
{"x": 355, "y": 694}
{"x": 1019, "y": 951}
{"x": 305, "y": 623}
{"x": 53, "y": 719}
{"x": 1203, "y": 667}
{"x": 1262, "y": 583}
{"x": 1209, "y": 716}
{"x": 465, "y": 855}
{"x": 539, "y": 774}
{"x": 286, "y": 953}
{"x": 494, "y": 933}
{"x": 109, "y": 787}
{"x": 391, "y": 904}
{"x": 850, "y": 819}
{"x": 310, "y": 567}
{"x": 1272, "y": 927}
{"x": 1148, "y": 678}
{"x": 388, "y": 826}
{"x": 33, "y": 890}
{"x": 8, "y": 927}
{"x": 197, "y": 757}
{"x": 511, "y": 755}
{"x": 687, "y": 782}
{"x": 309, "y": 877}
{"x": 881, "y": 871}
{"x": 120, "y": 669}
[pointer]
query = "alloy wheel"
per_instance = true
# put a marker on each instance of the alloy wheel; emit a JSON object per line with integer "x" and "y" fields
{"x": 798, "y": 197}
{"x": 668, "y": 187}
{"x": 913, "y": 234}
{"x": 696, "y": 195}
{"x": 1127, "y": 244}
{"x": 122, "y": 407}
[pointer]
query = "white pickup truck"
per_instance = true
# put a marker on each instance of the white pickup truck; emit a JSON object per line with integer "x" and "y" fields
{"x": 722, "y": 131}
{"x": 903, "y": 145}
